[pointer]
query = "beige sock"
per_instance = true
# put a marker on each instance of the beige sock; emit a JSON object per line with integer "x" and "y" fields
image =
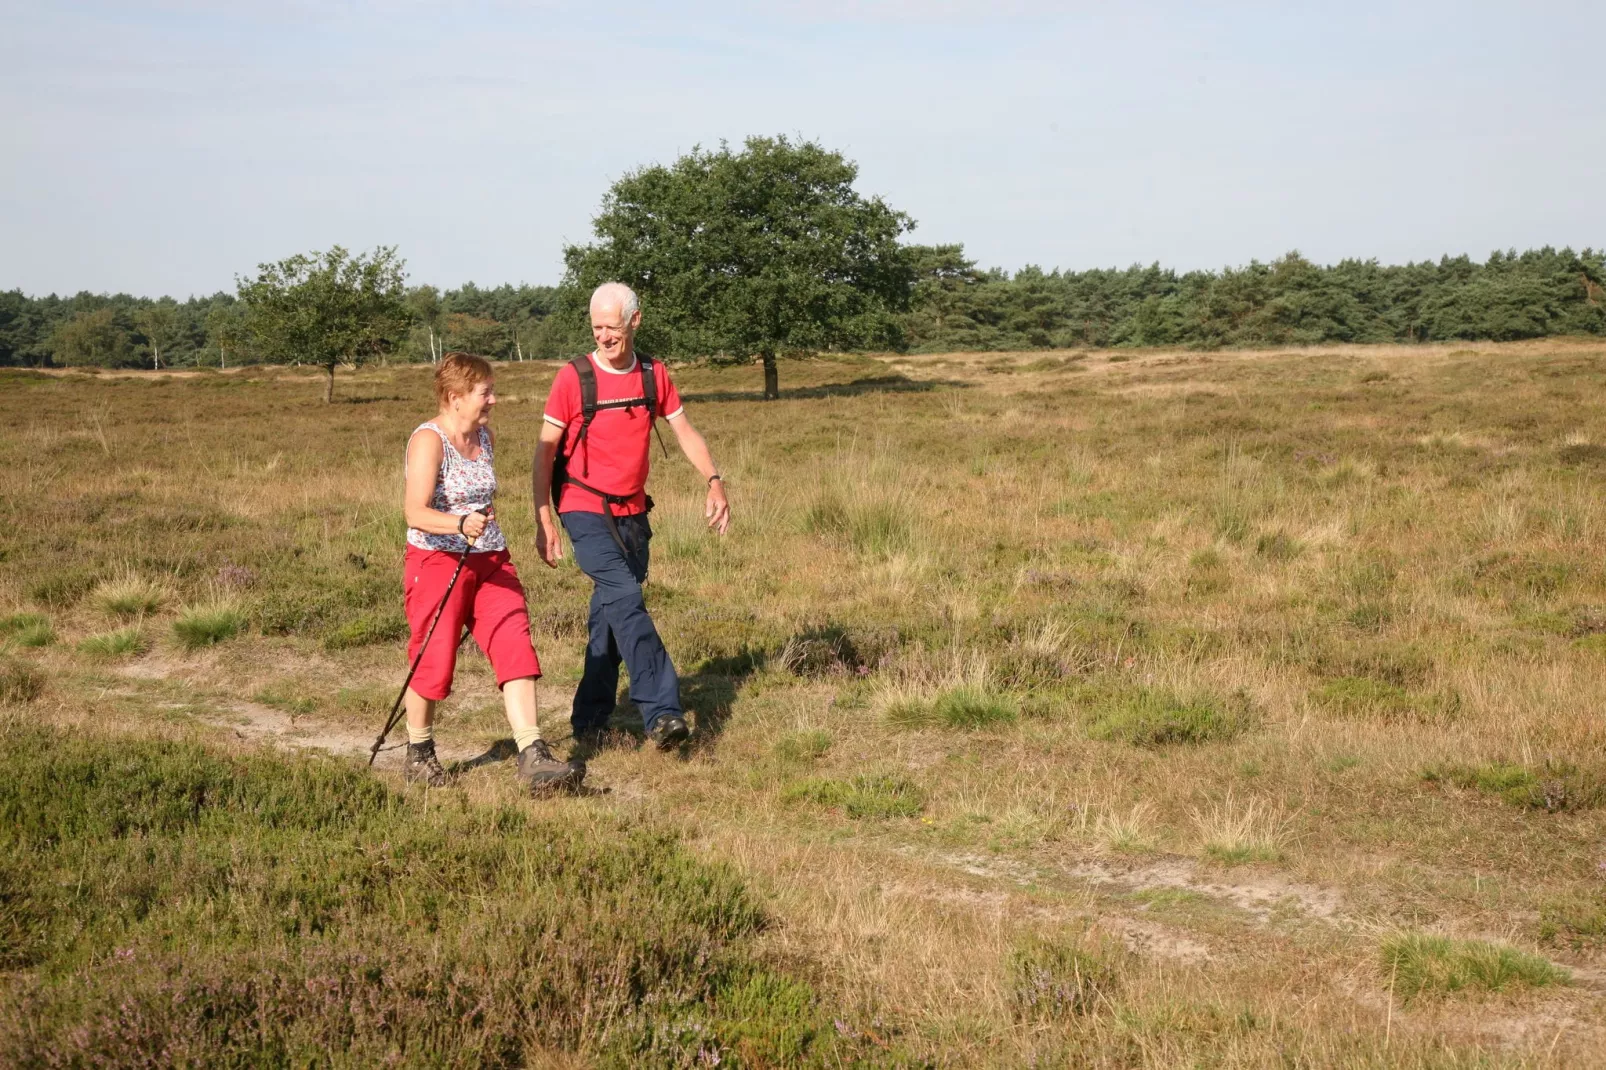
{"x": 420, "y": 735}
{"x": 523, "y": 737}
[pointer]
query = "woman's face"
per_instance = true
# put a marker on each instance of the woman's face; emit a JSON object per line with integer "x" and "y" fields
{"x": 475, "y": 407}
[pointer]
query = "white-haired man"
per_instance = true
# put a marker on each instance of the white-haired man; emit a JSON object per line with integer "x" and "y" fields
{"x": 592, "y": 460}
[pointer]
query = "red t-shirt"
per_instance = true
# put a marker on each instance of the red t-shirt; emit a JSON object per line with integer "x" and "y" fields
{"x": 613, "y": 458}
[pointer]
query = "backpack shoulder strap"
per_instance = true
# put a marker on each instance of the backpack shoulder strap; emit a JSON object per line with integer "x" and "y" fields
{"x": 588, "y": 393}
{"x": 649, "y": 384}
{"x": 649, "y": 392}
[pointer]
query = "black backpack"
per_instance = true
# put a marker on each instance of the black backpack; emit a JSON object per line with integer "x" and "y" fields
{"x": 589, "y": 405}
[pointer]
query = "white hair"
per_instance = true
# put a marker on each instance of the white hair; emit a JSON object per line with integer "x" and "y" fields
{"x": 616, "y": 293}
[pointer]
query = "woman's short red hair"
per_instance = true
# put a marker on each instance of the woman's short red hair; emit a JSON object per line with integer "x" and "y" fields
{"x": 459, "y": 373}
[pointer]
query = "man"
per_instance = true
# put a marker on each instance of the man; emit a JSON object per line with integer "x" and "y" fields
{"x": 601, "y": 477}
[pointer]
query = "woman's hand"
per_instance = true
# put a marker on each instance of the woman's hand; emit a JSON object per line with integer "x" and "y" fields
{"x": 474, "y": 525}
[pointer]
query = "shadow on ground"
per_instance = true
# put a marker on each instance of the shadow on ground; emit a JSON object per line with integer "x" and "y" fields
{"x": 881, "y": 384}
{"x": 708, "y": 693}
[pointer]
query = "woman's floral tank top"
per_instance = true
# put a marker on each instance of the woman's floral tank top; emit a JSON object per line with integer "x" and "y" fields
{"x": 462, "y": 487}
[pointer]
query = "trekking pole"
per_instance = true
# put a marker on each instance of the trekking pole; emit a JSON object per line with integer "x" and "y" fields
{"x": 396, "y": 713}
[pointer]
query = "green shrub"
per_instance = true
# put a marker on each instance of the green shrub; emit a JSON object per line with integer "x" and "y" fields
{"x": 1051, "y": 979}
{"x": 1554, "y": 787}
{"x": 876, "y": 795}
{"x": 1150, "y": 718}
{"x": 200, "y": 626}
{"x": 1416, "y": 964}
{"x": 121, "y": 643}
{"x": 833, "y": 650}
{"x": 366, "y": 630}
{"x": 171, "y": 906}
{"x": 19, "y": 681}
{"x": 770, "y": 1020}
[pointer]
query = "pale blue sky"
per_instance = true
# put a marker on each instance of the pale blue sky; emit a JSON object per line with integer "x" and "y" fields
{"x": 166, "y": 146}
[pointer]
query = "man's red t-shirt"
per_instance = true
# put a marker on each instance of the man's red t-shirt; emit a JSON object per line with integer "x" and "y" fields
{"x": 613, "y": 458}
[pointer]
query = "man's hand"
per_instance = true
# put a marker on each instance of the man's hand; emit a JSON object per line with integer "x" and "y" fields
{"x": 717, "y": 510}
{"x": 548, "y": 543}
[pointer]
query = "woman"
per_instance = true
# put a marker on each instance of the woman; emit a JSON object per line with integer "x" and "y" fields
{"x": 448, "y": 506}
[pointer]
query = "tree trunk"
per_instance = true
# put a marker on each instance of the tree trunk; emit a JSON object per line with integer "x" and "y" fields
{"x": 222, "y": 359}
{"x": 772, "y": 378}
{"x": 329, "y": 385}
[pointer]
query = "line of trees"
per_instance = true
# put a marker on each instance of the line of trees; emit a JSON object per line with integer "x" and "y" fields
{"x": 1534, "y": 294}
{"x": 953, "y": 306}
{"x": 123, "y": 331}
{"x": 768, "y": 250}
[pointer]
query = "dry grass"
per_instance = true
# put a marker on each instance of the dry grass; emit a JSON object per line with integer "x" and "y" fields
{"x": 1114, "y": 717}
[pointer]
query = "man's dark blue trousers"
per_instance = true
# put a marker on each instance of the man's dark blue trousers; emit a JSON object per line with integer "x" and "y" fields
{"x": 620, "y": 628}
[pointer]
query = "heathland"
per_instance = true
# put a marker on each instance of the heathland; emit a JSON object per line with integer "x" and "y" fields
{"x": 1089, "y": 708}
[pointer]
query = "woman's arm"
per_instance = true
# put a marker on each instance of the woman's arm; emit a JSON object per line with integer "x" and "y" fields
{"x": 423, "y": 469}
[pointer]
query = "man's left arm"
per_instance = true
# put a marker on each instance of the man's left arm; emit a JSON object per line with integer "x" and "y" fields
{"x": 717, "y": 510}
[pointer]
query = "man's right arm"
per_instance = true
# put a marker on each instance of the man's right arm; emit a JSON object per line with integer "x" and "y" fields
{"x": 548, "y": 543}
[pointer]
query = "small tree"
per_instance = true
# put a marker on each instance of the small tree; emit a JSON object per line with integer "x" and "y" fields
{"x": 750, "y": 254}
{"x": 425, "y": 303}
{"x": 327, "y": 308}
{"x": 225, "y": 328}
{"x": 161, "y": 325}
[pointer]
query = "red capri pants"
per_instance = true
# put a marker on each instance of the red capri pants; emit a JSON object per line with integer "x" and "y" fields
{"x": 488, "y": 598}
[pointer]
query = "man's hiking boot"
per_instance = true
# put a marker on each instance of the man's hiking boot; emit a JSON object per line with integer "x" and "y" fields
{"x": 423, "y": 767}
{"x": 668, "y": 732}
{"x": 542, "y": 773}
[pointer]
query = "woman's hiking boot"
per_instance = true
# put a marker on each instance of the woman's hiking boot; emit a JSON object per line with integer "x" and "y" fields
{"x": 668, "y": 732}
{"x": 423, "y": 767}
{"x": 541, "y": 773}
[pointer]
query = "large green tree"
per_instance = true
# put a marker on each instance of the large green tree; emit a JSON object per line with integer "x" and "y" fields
{"x": 756, "y": 253}
{"x": 327, "y": 308}
{"x": 94, "y": 337}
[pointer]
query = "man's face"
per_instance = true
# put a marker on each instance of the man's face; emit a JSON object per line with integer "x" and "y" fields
{"x": 612, "y": 331}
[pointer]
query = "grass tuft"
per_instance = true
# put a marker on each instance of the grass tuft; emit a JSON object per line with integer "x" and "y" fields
{"x": 803, "y": 746}
{"x": 1233, "y": 833}
{"x": 123, "y": 642}
{"x": 1421, "y": 964}
{"x": 128, "y": 596}
{"x": 205, "y": 625}
{"x": 873, "y": 795}
{"x": 19, "y": 681}
{"x": 1150, "y": 718}
{"x": 27, "y": 630}
{"x": 967, "y": 706}
{"x": 1131, "y": 832}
